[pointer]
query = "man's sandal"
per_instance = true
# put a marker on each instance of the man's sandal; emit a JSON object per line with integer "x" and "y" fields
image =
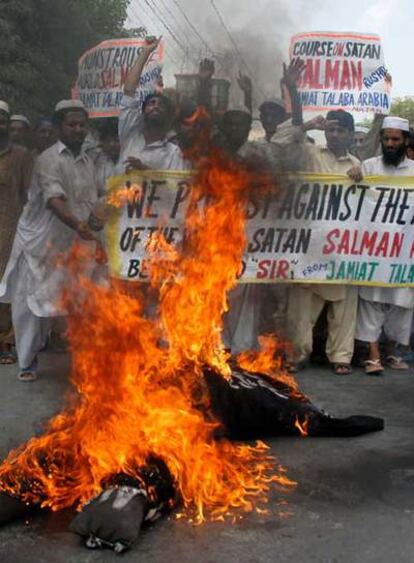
{"x": 341, "y": 369}
{"x": 7, "y": 358}
{"x": 27, "y": 375}
{"x": 393, "y": 362}
{"x": 373, "y": 367}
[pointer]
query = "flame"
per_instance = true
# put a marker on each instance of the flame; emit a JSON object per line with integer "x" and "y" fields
{"x": 124, "y": 194}
{"x": 139, "y": 383}
{"x": 269, "y": 360}
{"x": 302, "y": 427}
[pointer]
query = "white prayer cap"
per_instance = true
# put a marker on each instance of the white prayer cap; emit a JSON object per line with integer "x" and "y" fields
{"x": 4, "y": 106}
{"x": 238, "y": 109}
{"x": 22, "y": 118}
{"x": 69, "y": 104}
{"x": 391, "y": 122}
{"x": 361, "y": 129}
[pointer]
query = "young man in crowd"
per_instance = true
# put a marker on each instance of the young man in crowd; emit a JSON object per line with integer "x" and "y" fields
{"x": 20, "y": 130}
{"x": 107, "y": 160}
{"x": 307, "y": 302}
{"x": 16, "y": 165}
{"x": 144, "y": 128}
{"x": 44, "y": 135}
{"x": 385, "y": 308}
{"x": 61, "y": 197}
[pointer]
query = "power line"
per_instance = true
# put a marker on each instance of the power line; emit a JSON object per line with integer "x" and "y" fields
{"x": 194, "y": 29}
{"x": 164, "y": 23}
{"x": 181, "y": 30}
{"x": 233, "y": 42}
{"x": 156, "y": 27}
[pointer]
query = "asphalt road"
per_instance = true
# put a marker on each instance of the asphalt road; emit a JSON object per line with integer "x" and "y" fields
{"x": 354, "y": 502}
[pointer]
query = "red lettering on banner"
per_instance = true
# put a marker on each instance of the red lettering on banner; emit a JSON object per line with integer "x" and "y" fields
{"x": 332, "y": 74}
{"x": 124, "y": 74}
{"x": 356, "y": 69}
{"x": 368, "y": 242}
{"x": 382, "y": 248}
{"x": 328, "y": 248}
{"x": 263, "y": 270}
{"x": 337, "y": 75}
{"x": 397, "y": 245}
{"x": 345, "y": 83}
{"x": 272, "y": 269}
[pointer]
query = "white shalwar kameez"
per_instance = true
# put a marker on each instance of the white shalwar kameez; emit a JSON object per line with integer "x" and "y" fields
{"x": 32, "y": 282}
{"x": 385, "y": 308}
{"x": 247, "y": 316}
{"x": 160, "y": 155}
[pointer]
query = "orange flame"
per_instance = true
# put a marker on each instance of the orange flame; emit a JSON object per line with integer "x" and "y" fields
{"x": 138, "y": 396}
{"x": 302, "y": 427}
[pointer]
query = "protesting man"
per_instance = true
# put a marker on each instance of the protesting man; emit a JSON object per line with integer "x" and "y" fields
{"x": 107, "y": 160}
{"x": 144, "y": 128}
{"x": 307, "y": 302}
{"x": 61, "y": 197}
{"x": 386, "y": 308}
{"x": 15, "y": 173}
{"x": 44, "y": 135}
{"x": 20, "y": 130}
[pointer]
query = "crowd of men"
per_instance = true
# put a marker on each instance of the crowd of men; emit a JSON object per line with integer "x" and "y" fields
{"x": 53, "y": 177}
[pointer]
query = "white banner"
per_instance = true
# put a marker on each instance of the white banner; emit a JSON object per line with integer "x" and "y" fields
{"x": 319, "y": 228}
{"x": 103, "y": 70}
{"x": 343, "y": 71}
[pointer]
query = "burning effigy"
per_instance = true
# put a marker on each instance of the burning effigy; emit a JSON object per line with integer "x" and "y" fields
{"x": 161, "y": 406}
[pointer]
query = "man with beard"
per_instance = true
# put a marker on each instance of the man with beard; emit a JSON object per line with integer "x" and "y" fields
{"x": 62, "y": 194}
{"x": 386, "y": 308}
{"x": 144, "y": 128}
{"x": 15, "y": 173}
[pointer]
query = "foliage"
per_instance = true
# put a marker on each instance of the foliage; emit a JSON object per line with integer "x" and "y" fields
{"x": 40, "y": 44}
{"x": 404, "y": 107}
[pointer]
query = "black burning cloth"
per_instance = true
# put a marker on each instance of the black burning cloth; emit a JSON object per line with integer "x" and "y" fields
{"x": 249, "y": 406}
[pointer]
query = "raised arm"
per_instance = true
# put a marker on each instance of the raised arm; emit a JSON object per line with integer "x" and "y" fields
{"x": 246, "y": 86}
{"x": 205, "y": 75}
{"x": 291, "y": 76}
{"x": 132, "y": 80}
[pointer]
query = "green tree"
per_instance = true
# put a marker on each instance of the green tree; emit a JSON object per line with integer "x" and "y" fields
{"x": 40, "y": 44}
{"x": 404, "y": 107}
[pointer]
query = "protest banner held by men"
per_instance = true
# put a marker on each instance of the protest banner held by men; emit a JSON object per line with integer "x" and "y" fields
{"x": 193, "y": 241}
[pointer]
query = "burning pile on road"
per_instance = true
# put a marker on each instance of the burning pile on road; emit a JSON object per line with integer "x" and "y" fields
{"x": 158, "y": 398}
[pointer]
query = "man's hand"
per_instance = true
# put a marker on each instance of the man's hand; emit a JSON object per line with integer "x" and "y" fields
{"x": 84, "y": 231}
{"x": 292, "y": 73}
{"x": 206, "y": 69}
{"x": 245, "y": 82}
{"x": 317, "y": 122}
{"x": 133, "y": 163}
{"x": 151, "y": 44}
{"x": 355, "y": 173}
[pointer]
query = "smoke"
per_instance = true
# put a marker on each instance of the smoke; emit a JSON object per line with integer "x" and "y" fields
{"x": 261, "y": 30}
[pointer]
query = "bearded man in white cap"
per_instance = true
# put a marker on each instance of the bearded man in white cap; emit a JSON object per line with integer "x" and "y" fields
{"x": 62, "y": 195}
{"x": 16, "y": 165}
{"x": 384, "y": 308}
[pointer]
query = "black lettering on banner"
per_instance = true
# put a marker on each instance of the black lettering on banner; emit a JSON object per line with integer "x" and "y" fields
{"x": 126, "y": 239}
{"x": 153, "y": 197}
{"x": 182, "y": 194}
{"x": 133, "y": 268}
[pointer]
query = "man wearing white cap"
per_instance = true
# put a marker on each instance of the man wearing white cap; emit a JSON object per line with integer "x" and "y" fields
{"x": 20, "y": 130}
{"x": 61, "y": 197}
{"x": 387, "y": 308}
{"x": 15, "y": 173}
